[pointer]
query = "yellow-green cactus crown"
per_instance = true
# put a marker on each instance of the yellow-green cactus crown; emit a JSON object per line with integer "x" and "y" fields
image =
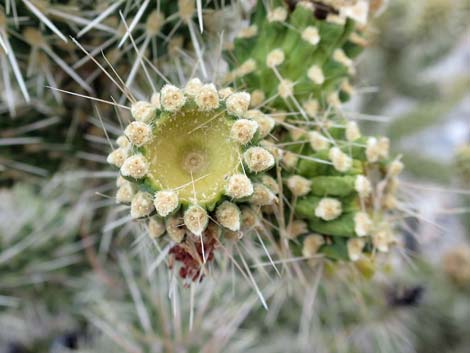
{"x": 192, "y": 155}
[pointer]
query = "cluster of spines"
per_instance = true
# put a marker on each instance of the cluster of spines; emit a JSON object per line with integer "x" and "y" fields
{"x": 164, "y": 35}
{"x": 37, "y": 42}
{"x": 37, "y": 57}
{"x": 41, "y": 258}
{"x": 37, "y": 52}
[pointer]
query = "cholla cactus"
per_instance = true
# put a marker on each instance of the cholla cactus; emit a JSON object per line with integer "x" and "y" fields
{"x": 462, "y": 166}
{"x": 192, "y": 158}
{"x": 35, "y": 328}
{"x": 44, "y": 137}
{"x": 339, "y": 184}
{"x": 198, "y": 169}
{"x": 152, "y": 314}
{"x": 456, "y": 264}
{"x": 23, "y": 216}
{"x": 384, "y": 314}
{"x": 325, "y": 42}
{"x": 462, "y": 163}
{"x": 411, "y": 38}
{"x": 444, "y": 307}
{"x": 432, "y": 25}
{"x": 343, "y": 185}
{"x": 41, "y": 260}
{"x": 191, "y": 164}
{"x": 375, "y": 318}
{"x": 196, "y": 158}
{"x": 35, "y": 50}
{"x": 34, "y": 132}
{"x": 164, "y": 34}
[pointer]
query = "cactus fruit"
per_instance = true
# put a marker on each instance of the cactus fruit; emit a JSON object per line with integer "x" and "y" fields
{"x": 191, "y": 160}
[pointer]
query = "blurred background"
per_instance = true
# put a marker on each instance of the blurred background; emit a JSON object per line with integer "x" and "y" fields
{"x": 57, "y": 229}
{"x": 416, "y": 84}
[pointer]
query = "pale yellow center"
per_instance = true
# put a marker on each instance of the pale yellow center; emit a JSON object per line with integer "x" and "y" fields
{"x": 192, "y": 153}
